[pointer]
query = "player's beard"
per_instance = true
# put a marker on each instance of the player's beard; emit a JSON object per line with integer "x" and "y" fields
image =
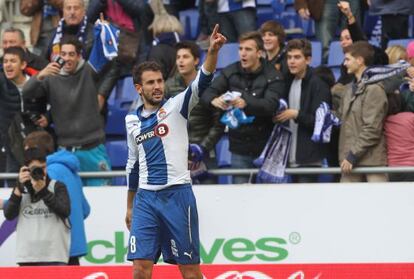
{"x": 151, "y": 100}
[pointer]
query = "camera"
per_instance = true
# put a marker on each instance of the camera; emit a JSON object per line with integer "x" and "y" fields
{"x": 59, "y": 60}
{"x": 37, "y": 173}
{"x": 34, "y": 117}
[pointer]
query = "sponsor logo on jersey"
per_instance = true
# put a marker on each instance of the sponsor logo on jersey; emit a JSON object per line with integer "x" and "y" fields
{"x": 161, "y": 130}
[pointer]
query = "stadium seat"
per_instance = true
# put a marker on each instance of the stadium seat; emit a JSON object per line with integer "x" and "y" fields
{"x": 228, "y": 54}
{"x": 336, "y": 55}
{"x": 264, "y": 2}
{"x": 119, "y": 102}
{"x": 117, "y": 152}
{"x": 316, "y": 53}
{"x": 263, "y": 14}
{"x": 189, "y": 19}
{"x": 223, "y": 158}
{"x": 402, "y": 42}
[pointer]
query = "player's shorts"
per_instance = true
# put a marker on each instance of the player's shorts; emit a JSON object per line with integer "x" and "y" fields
{"x": 166, "y": 222}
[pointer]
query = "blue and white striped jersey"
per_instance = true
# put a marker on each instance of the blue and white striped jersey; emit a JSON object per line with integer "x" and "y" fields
{"x": 158, "y": 144}
{"x": 225, "y": 6}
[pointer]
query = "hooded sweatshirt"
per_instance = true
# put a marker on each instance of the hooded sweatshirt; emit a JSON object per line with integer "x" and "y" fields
{"x": 63, "y": 166}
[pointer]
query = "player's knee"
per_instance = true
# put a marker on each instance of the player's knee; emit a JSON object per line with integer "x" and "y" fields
{"x": 191, "y": 273}
{"x": 142, "y": 271}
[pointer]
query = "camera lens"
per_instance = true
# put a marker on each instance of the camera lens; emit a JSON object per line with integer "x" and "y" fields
{"x": 37, "y": 173}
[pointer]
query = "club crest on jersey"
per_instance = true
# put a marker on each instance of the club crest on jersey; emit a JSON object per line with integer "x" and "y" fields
{"x": 162, "y": 113}
{"x": 161, "y": 130}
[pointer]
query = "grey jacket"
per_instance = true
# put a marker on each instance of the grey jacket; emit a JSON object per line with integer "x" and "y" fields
{"x": 361, "y": 139}
{"x": 74, "y": 105}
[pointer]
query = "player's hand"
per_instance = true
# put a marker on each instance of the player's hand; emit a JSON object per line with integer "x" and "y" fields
{"x": 346, "y": 166}
{"x": 220, "y": 103}
{"x": 52, "y": 69}
{"x": 217, "y": 40}
{"x": 304, "y": 13}
{"x": 128, "y": 218}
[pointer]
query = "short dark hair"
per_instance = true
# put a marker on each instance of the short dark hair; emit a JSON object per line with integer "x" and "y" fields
{"x": 253, "y": 35}
{"x": 303, "y": 45}
{"x": 15, "y": 30}
{"x": 33, "y": 154}
{"x": 325, "y": 74}
{"x": 72, "y": 40}
{"x": 274, "y": 27}
{"x": 18, "y": 51}
{"x": 193, "y": 47}
{"x": 361, "y": 49}
{"x": 143, "y": 67}
{"x": 40, "y": 139}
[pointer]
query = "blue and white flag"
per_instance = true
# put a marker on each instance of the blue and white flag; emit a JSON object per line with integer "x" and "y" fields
{"x": 105, "y": 47}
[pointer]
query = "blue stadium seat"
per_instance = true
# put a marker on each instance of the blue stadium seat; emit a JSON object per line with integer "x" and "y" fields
{"x": 336, "y": 55}
{"x": 264, "y": 2}
{"x": 223, "y": 158}
{"x": 118, "y": 153}
{"x": 316, "y": 53}
{"x": 263, "y": 14}
{"x": 189, "y": 19}
{"x": 228, "y": 54}
{"x": 119, "y": 102}
{"x": 402, "y": 42}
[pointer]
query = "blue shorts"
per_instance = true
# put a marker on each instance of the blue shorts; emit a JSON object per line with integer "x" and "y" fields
{"x": 166, "y": 222}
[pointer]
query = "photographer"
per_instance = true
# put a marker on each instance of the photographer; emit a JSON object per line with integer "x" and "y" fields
{"x": 43, "y": 206}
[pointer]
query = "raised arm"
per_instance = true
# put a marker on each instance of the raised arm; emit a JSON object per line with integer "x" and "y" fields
{"x": 217, "y": 40}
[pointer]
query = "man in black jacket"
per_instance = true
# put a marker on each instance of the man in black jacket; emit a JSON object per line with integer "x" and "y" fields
{"x": 12, "y": 80}
{"x": 260, "y": 86}
{"x": 304, "y": 93}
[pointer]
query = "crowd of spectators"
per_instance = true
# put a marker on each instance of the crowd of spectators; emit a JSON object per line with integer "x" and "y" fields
{"x": 69, "y": 99}
{"x": 277, "y": 110}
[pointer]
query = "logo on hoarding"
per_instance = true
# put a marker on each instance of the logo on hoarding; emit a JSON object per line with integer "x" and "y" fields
{"x": 97, "y": 275}
{"x": 235, "y": 250}
{"x": 243, "y": 275}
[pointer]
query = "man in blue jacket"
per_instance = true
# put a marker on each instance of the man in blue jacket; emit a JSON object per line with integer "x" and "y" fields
{"x": 64, "y": 166}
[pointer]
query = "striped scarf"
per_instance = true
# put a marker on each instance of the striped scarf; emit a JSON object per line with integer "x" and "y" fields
{"x": 81, "y": 35}
{"x": 324, "y": 120}
{"x": 273, "y": 159}
{"x": 378, "y": 73}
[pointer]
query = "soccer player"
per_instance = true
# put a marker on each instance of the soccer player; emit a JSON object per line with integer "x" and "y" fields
{"x": 162, "y": 214}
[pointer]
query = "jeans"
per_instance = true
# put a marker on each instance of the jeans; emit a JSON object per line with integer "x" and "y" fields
{"x": 242, "y": 162}
{"x": 325, "y": 28}
{"x": 208, "y": 16}
{"x": 233, "y": 24}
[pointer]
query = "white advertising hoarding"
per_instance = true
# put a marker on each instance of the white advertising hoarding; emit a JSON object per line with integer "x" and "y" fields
{"x": 321, "y": 223}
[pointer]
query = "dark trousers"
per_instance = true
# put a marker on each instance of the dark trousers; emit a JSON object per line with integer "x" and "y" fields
{"x": 393, "y": 27}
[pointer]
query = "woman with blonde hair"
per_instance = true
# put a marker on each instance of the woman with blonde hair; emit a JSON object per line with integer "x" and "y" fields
{"x": 396, "y": 53}
{"x": 167, "y": 31}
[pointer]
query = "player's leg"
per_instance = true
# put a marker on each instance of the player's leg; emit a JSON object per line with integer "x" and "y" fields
{"x": 144, "y": 242}
{"x": 190, "y": 271}
{"x": 143, "y": 269}
{"x": 179, "y": 229}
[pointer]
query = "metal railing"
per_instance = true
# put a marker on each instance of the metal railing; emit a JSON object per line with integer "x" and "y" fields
{"x": 367, "y": 170}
